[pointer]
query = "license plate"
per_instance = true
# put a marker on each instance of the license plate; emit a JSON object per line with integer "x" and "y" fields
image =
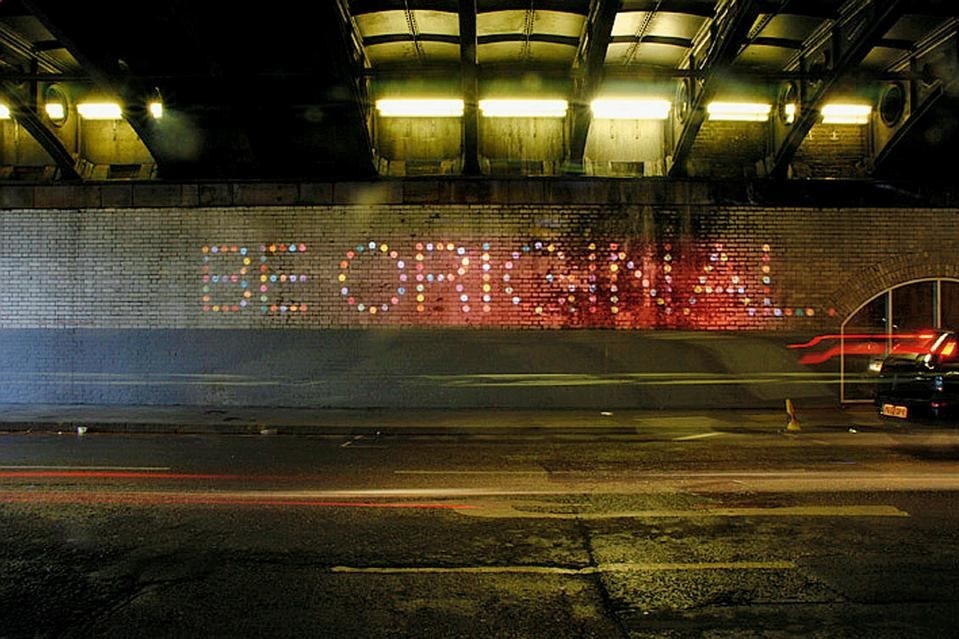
{"x": 893, "y": 410}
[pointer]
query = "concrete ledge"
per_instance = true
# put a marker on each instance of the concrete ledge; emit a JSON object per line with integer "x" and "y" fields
{"x": 439, "y": 191}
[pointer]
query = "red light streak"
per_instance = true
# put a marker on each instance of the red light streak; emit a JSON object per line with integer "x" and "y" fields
{"x": 109, "y": 474}
{"x": 186, "y": 499}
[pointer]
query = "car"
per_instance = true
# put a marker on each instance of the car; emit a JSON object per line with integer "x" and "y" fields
{"x": 920, "y": 377}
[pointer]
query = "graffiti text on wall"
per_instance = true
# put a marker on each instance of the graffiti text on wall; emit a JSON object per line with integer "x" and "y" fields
{"x": 548, "y": 283}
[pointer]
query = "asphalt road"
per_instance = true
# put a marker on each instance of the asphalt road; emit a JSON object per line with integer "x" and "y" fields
{"x": 678, "y": 530}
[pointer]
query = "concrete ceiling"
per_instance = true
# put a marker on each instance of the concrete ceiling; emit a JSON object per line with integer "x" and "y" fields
{"x": 285, "y": 91}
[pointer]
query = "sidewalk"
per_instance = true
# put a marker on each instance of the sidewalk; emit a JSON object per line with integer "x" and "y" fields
{"x": 257, "y": 420}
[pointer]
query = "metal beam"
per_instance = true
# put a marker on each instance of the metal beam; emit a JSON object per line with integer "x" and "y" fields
{"x": 728, "y": 32}
{"x": 862, "y": 25}
{"x": 470, "y": 85}
{"x": 129, "y": 91}
{"x": 935, "y": 61}
{"x": 26, "y": 116}
{"x": 590, "y": 59}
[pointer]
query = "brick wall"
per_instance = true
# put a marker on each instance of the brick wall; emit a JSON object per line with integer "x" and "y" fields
{"x": 180, "y": 293}
{"x": 688, "y": 266}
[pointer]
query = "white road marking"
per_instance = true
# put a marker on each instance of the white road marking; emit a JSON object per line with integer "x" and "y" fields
{"x": 347, "y": 443}
{"x": 469, "y": 472}
{"x": 699, "y": 436}
{"x": 556, "y": 570}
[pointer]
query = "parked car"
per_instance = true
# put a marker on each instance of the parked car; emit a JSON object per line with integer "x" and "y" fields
{"x": 920, "y": 377}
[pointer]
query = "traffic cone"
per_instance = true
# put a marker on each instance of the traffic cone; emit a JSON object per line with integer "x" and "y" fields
{"x": 792, "y": 425}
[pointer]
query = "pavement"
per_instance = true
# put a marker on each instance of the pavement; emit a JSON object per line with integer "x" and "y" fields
{"x": 429, "y": 421}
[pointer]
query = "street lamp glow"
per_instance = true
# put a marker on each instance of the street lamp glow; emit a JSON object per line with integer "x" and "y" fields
{"x": 100, "y": 111}
{"x": 497, "y": 108}
{"x": 845, "y": 113}
{"x": 417, "y": 108}
{"x": 789, "y": 112}
{"x": 630, "y": 109}
{"x": 738, "y": 111}
{"x": 156, "y": 109}
{"x": 4, "y": 112}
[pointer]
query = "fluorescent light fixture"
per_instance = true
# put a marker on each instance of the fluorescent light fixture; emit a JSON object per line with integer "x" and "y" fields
{"x": 738, "y": 111}
{"x": 100, "y": 111}
{"x": 523, "y": 108}
{"x": 4, "y": 112}
{"x": 846, "y": 113}
{"x": 414, "y": 108}
{"x": 156, "y": 109}
{"x": 789, "y": 112}
{"x": 630, "y": 109}
{"x": 55, "y": 110}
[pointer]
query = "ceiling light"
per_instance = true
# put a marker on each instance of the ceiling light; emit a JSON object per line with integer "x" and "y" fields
{"x": 413, "y": 108}
{"x": 55, "y": 110}
{"x": 789, "y": 112}
{"x": 4, "y": 112}
{"x": 738, "y": 111}
{"x": 156, "y": 109}
{"x": 846, "y": 113}
{"x": 100, "y": 111}
{"x": 630, "y": 109}
{"x": 523, "y": 108}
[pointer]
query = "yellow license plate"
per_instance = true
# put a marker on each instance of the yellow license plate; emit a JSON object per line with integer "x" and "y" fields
{"x": 893, "y": 410}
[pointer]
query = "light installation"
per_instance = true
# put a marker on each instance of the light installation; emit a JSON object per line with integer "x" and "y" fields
{"x": 538, "y": 283}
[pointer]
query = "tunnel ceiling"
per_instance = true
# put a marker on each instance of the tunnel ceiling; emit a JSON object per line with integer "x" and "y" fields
{"x": 287, "y": 91}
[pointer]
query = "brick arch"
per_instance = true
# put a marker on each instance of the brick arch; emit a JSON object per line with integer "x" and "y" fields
{"x": 867, "y": 283}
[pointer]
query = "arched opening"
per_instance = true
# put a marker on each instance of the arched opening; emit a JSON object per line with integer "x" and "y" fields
{"x": 870, "y": 331}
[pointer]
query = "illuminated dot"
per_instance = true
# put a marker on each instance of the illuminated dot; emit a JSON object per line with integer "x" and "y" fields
{"x": 459, "y": 288}
{"x": 420, "y": 288}
{"x": 667, "y": 269}
{"x": 487, "y": 298}
{"x": 206, "y": 298}
{"x": 592, "y": 246}
{"x": 420, "y": 297}
{"x": 419, "y": 257}
{"x": 282, "y": 277}
{"x": 639, "y": 274}
{"x": 464, "y": 298}
{"x": 508, "y": 265}
{"x": 487, "y": 288}
{"x": 765, "y": 248}
{"x": 538, "y": 246}
{"x": 264, "y": 298}
{"x": 613, "y": 268}
{"x": 361, "y": 307}
{"x": 372, "y": 245}
{"x": 515, "y": 300}
{"x": 777, "y": 312}
{"x": 461, "y": 251}
{"x": 506, "y": 277}
{"x": 539, "y": 310}
{"x": 550, "y": 248}
{"x": 373, "y": 310}
{"x": 341, "y": 277}
{"x": 350, "y": 254}
{"x": 205, "y": 249}
{"x": 215, "y": 249}
{"x": 401, "y": 264}
{"x": 282, "y": 248}
{"x": 450, "y": 246}
{"x": 394, "y": 300}
{"x": 509, "y": 290}
{"x": 685, "y": 311}
{"x": 668, "y": 257}
{"x": 272, "y": 248}
{"x": 485, "y": 257}
{"x": 486, "y": 267}
{"x": 384, "y": 248}
{"x": 302, "y": 307}
{"x": 660, "y": 301}
{"x": 302, "y": 250}
{"x": 766, "y": 280}
{"x": 466, "y": 308}
{"x": 461, "y": 271}
{"x": 403, "y": 277}
{"x": 394, "y": 254}
{"x": 486, "y": 308}
{"x": 419, "y": 308}
{"x": 292, "y": 248}
{"x": 810, "y": 312}
{"x": 465, "y": 261}
{"x": 294, "y": 308}
{"x": 216, "y": 308}
{"x": 614, "y": 310}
